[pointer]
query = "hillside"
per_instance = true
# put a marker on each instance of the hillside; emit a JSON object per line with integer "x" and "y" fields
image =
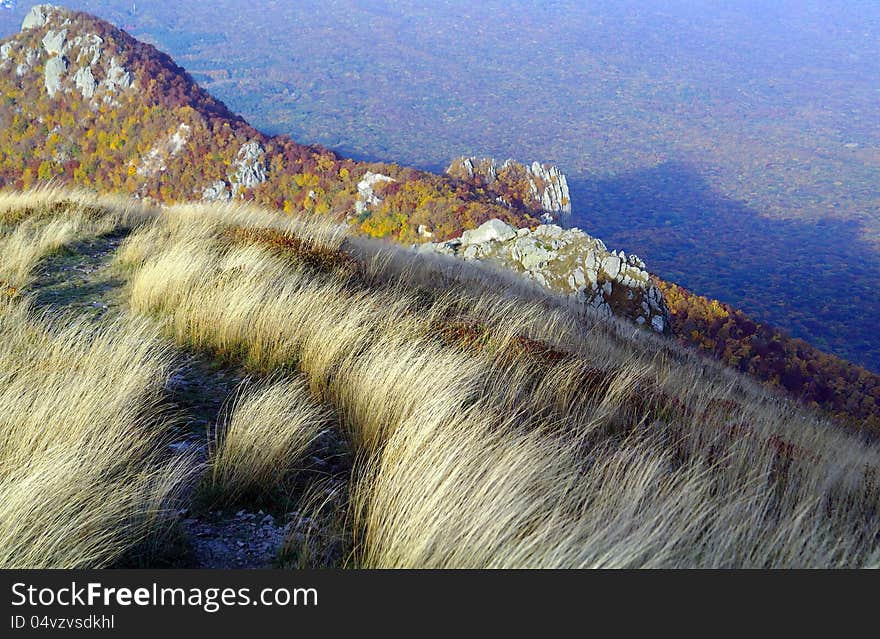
{"x": 85, "y": 104}
{"x": 234, "y": 387}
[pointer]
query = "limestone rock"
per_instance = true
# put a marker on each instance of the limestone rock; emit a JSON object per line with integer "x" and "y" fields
{"x": 546, "y": 184}
{"x": 5, "y": 51}
{"x": 89, "y": 48}
{"x": 36, "y": 17}
{"x": 217, "y": 192}
{"x": 367, "y": 197}
{"x": 488, "y": 232}
{"x": 85, "y": 82}
{"x": 549, "y": 185}
{"x": 55, "y": 70}
{"x": 118, "y": 78}
{"x": 157, "y": 158}
{"x": 55, "y": 42}
{"x": 250, "y": 165}
{"x": 567, "y": 261}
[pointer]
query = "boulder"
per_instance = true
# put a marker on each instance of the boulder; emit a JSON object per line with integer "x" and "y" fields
{"x": 217, "y": 192}
{"x": 493, "y": 230}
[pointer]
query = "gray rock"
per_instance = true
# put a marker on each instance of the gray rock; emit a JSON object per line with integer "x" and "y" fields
{"x": 85, "y": 82}
{"x": 5, "y": 51}
{"x": 611, "y": 266}
{"x": 493, "y": 230}
{"x": 55, "y": 70}
{"x": 250, "y": 165}
{"x": 36, "y": 17}
{"x": 118, "y": 78}
{"x": 548, "y": 186}
{"x": 55, "y": 42}
{"x": 89, "y": 48}
{"x": 658, "y": 323}
{"x": 367, "y": 197}
{"x": 534, "y": 257}
{"x": 569, "y": 262}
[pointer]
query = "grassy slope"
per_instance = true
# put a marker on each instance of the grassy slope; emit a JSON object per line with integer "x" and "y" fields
{"x": 490, "y": 425}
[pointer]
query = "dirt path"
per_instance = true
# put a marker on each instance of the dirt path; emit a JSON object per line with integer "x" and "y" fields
{"x": 83, "y": 281}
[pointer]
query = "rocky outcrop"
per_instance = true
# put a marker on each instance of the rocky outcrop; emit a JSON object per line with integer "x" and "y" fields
{"x": 37, "y": 16}
{"x": 157, "y": 158}
{"x": 73, "y": 59}
{"x": 367, "y": 197}
{"x": 118, "y": 78}
{"x": 55, "y": 70}
{"x": 542, "y": 188}
{"x": 549, "y": 185}
{"x": 250, "y": 165}
{"x": 85, "y": 82}
{"x": 566, "y": 261}
{"x": 55, "y": 42}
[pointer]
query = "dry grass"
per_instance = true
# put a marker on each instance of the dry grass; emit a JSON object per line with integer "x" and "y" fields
{"x": 83, "y": 478}
{"x": 601, "y": 448}
{"x": 494, "y": 425}
{"x": 271, "y": 428}
{"x": 36, "y": 224}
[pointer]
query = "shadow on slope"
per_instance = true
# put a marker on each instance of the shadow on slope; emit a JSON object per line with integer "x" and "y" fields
{"x": 816, "y": 280}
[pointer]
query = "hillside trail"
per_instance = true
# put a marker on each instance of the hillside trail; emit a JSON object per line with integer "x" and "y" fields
{"x": 81, "y": 281}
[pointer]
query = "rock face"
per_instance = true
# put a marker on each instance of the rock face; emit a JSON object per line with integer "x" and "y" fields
{"x": 248, "y": 170}
{"x": 118, "y": 79}
{"x": 85, "y": 82}
{"x": 55, "y": 42}
{"x": 567, "y": 261}
{"x": 250, "y": 165}
{"x": 367, "y": 197}
{"x": 543, "y": 188}
{"x": 550, "y": 186}
{"x": 56, "y": 69}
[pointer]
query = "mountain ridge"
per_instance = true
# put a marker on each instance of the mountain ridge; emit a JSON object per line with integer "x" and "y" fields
{"x": 167, "y": 139}
{"x": 160, "y": 136}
